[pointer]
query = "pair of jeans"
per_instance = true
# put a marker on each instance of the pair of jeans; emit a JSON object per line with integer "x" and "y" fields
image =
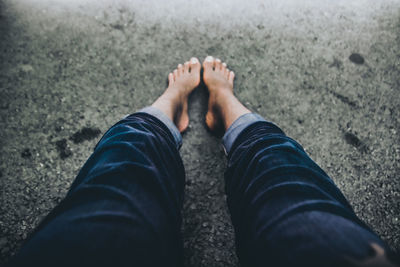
{"x": 124, "y": 207}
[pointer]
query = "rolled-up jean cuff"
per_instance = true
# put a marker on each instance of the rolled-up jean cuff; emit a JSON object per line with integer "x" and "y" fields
{"x": 167, "y": 121}
{"x": 237, "y": 127}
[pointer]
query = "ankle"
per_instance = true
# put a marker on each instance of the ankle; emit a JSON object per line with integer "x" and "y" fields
{"x": 232, "y": 109}
{"x": 220, "y": 91}
{"x": 222, "y": 98}
{"x": 168, "y": 103}
{"x": 227, "y": 107}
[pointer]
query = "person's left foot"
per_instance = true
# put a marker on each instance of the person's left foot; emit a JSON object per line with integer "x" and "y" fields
{"x": 174, "y": 101}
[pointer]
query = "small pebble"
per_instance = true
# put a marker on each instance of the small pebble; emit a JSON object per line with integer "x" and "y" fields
{"x": 357, "y": 58}
{"x": 26, "y": 153}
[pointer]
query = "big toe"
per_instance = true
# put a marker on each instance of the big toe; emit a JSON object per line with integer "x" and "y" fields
{"x": 194, "y": 65}
{"x": 208, "y": 63}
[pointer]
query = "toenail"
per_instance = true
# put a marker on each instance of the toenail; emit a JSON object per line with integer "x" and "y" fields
{"x": 218, "y": 60}
{"x": 209, "y": 58}
{"x": 194, "y": 60}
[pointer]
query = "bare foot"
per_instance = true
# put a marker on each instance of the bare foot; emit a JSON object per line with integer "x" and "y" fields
{"x": 223, "y": 107}
{"x": 174, "y": 101}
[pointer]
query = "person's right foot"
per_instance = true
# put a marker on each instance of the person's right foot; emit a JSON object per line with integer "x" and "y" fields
{"x": 223, "y": 107}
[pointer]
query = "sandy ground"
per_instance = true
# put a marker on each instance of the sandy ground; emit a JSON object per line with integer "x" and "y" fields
{"x": 326, "y": 71}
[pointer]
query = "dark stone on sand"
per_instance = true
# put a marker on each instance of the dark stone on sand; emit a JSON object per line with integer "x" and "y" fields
{"x": 353, "y": 140}
{"x": 357, "y": 58}
{"x": 26, "y": 153}
{"x": 62, "y": 148}
{"x": 345, "y": 99}
{"x": 117, "y": 26}
{"x": 85, "y": 134}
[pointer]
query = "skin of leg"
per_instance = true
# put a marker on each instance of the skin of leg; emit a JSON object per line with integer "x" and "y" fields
{"x": 285, "y": 209}
{"x": 174, "y": 101}
{"x": 223, "y": 107}
{"x": 123, "y": 208}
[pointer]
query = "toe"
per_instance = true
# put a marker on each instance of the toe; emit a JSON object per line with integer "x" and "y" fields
{"x": 218, "y": 64}
{"x": 194, "y": 65}
{"x": 180, "y": 68}
{"x": 227, "y": 71}
{"x": 170, "y": 78}
{"x": 208, "y": 63}
{"x": 176, "y": 74}
{"x": 231, "y": 76}
{"x": 186, "y": 67}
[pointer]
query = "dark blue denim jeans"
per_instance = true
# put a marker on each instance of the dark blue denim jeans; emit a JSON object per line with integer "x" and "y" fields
{"x": 124, "y": 208}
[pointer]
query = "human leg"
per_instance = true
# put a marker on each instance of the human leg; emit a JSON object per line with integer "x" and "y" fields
{"x": 123, "y": 209}
{"x": 285, "y": 209}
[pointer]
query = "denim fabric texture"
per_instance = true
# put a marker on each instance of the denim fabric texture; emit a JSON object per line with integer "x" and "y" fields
{"x": 237, "y": 127}
{"x": 167, "y": 121}
{"x": 285, "y": 209}
{"x": 124, "y": 207}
